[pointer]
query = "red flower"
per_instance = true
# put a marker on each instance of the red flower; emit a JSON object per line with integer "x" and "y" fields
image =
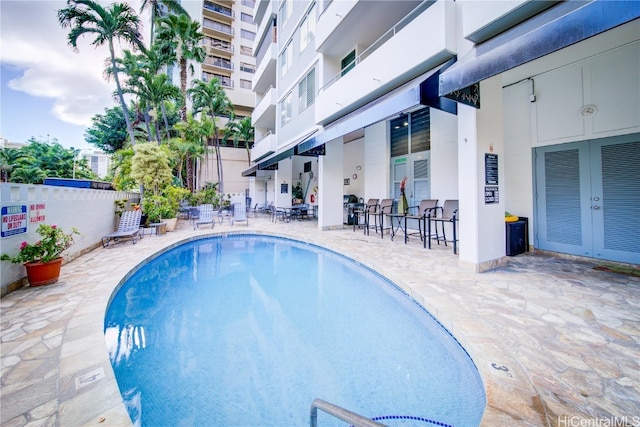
{"x": 54, "y": 226}
{"x": 23, "y": 245}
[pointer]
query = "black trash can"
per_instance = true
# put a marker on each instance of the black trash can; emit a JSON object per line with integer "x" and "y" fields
{"x": 517, "y": 237}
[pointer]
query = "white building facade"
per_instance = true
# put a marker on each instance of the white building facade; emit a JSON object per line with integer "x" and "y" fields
{"x": 522, "y": 106}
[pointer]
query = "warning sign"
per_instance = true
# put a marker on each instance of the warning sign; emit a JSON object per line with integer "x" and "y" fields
{"x": 36, "y": 213}
{"x": 14, "y": 220}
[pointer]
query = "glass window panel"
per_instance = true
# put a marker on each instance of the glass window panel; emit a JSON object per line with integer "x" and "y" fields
{"x": 399, "y": 136}
{"x": 420, "y": 131}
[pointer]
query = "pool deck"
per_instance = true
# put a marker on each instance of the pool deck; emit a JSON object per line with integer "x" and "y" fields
{"x": 556, "y": 342}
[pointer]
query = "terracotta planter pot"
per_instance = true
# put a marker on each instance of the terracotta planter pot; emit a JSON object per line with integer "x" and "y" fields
{"x": 43, "y": 273}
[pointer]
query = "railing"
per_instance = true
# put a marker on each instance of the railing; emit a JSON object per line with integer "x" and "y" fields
{"x": 218, "y": 9}
{"x": 343, "y": 414}
{"x": 380, "y": 41}
{"x": 219, "y": 62}
{"x": 218, "y": 44}
{"x": 213, "y": 25}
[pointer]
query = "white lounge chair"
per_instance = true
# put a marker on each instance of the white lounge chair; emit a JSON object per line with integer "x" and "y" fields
{"x": 206, "y": 215}
{"x": 128, "y": 227}
{"x": 239, "y": 213}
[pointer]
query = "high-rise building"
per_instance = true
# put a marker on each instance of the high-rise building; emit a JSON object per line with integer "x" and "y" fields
{"x": 229, "y": 31}
{"x": 523, "y": 106}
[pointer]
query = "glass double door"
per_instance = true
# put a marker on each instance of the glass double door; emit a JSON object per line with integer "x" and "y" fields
{"x": 588, "y": 198}
{"x": 414, "y": 167}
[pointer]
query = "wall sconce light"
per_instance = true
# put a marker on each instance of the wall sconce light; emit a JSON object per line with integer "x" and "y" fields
{"x": 358, "y": 168}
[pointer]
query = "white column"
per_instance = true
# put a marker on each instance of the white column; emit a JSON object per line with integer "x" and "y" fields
{"x": 283, "y": 176}
{"x": 376, "y": 162}
{"x": 330, "y": 186}
{"x": 481, "y": 226}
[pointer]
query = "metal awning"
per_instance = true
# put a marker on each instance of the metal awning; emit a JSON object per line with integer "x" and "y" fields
{"x": 288, "y": 150}
{"x": 558, "y": 27}
{"x": 251, "y": 171}
{"x": 390, "y": 104}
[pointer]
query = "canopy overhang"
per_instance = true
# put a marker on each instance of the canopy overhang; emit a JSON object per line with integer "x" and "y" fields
{"x": 560, "y": 26}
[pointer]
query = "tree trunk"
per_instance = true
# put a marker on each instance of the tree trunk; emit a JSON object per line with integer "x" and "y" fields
{"x": 216, "y": 143}
{"x": 183, "y": 88}
{"x": 147, "y": 125}
{"x": 125, "y": 110}
{"x": 166, "y": 121}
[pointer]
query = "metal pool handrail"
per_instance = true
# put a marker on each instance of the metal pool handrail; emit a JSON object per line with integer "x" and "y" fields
{"x": 343, "y": 414}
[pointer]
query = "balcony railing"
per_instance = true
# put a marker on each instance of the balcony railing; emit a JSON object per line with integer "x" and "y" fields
{"x": 217, "y": 26}
{"x": 381, "y": 41}
{"x": 219, "y": 62}
{"x": 218, "y": 8}
{"x": 271, "y": 37}
{"x": 218, "y": 44}
{"x": 225, "y": 81}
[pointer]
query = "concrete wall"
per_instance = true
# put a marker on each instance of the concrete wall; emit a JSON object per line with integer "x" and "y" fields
{"x": 92, "y": 212}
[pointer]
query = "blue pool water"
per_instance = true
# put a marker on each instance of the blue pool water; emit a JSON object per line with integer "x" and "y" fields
{"x": 247, "y": 330}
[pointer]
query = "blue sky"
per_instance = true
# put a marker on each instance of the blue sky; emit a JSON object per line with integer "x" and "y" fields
{"x": 48, "y": 90}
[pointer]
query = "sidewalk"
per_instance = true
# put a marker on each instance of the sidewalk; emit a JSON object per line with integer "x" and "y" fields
{"x": 556, "y": 342}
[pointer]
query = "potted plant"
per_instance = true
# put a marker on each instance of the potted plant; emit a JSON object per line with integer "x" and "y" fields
{"x": 43, "y": 258}
{"x": 173, "y": 195}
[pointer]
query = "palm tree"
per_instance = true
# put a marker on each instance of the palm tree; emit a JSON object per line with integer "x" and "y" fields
{"x": 211, "y": 98}
{"x": 191, "y": 144}
{"x": 158, "y": 8}
{"x": 182, "y": 36}
{"x": 152, "y": 91}
{"x": 117, "y": 22}
{"x": 240, "y": 130}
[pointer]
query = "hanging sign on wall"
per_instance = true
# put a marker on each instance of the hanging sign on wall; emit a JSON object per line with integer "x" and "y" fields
{"x": 14, "y": 220}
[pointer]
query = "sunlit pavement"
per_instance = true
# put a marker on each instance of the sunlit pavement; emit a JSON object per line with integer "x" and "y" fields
{"x": 556, "y": 342}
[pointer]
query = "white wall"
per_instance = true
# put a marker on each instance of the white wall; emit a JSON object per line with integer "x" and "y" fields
{"x": 376, "y": 161}
{"x": 92, "y": 212}
{"x": 354, "y": 158}
{"x": 444, "y": 156}
{"x": 330, "y": 186}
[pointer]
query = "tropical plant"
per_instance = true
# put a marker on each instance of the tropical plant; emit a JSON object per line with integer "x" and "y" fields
{"x": 53, "y": 241}
{"x": 117, "y": 22}
{"x": 210, "y": 98}
{"x": 179, "y": 35}
{"x": 158, "y": 8}
{"x": 150, "y": 167}
{"x": 240, "y": 131}
{"x": 108, "y": 131}
{"x": 190, "y": 145}
{"x": 36, "y": 161}
{"x": 121, "y": 162}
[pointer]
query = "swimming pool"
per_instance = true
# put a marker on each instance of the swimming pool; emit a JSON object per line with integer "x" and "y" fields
{"x": 249, "y": 329}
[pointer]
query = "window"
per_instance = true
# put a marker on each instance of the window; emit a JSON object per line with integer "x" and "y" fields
{"x": 420, "y": 131}
{"x": 250, "y": 3}
{"x": 245, "y": 84}
{"x": 246, "y": 50}
{"x": 308, "y": 28}
{"x": 348, "y": 62}
{"x": 245, "y": 17}
{"x": 286, "y": 110}
{"x": 410, "y": 133}
{"x": 286, "y": 57}
{"x": 247, "y": 68}
{"x": 306, "y": 90}
{"x": 400, "y": 135}
{"x": 285, "y": 10}
{"x": 247, "y": 35}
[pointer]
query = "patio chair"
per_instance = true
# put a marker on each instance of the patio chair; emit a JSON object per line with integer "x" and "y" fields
{"x": 385, "y": 208}
{"x": 225, "y": 212}
{"x": 255, "y": 210}
{"x": 449, "y": 214}
{"x": 206, "y": 215}
{"x": 239, "y": 214}
{"x": 426, "y": 207}
{"x": 128, "y": 227}
{"x": 361, "y": 214}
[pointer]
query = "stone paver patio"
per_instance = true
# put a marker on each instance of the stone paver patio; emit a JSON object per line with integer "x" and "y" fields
{"x": 556, "y": 342}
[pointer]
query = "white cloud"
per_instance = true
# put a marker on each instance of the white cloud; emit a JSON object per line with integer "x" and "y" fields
{"x": 32, "y": 40}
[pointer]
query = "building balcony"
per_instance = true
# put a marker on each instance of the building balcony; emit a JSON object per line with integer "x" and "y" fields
{"x": 264, "y": 114}
{"x": 217, "y": 47}
{"x": 265, "y": 74}
{"x": 214, "y": 28}
{"x": 264, "y": 147}
{"x": 212, "y": 65}
{"x": 387, "y": 64}
{"x": 218, "y": 12}
{"x": 260, "y": 8}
